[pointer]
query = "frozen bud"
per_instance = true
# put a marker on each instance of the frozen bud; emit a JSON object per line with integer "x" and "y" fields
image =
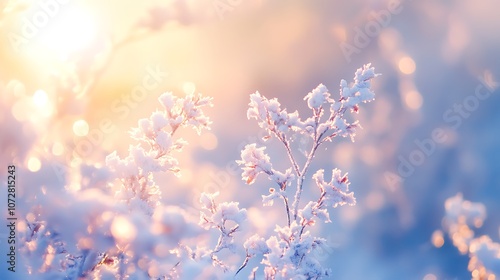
{"x": 268, "y": 200}
{"x": 337, "y": 190}
{"x": 167, "y": 100}
{"x": 254, "y": 161}
{"x": 158, "y": 120}
{"x": 230, "y": 211}
{"x": 207, "y": 200}
{"x": 255, "y": 245}
{"x": 164, "y": 140}
{"x": 317, "y": 97}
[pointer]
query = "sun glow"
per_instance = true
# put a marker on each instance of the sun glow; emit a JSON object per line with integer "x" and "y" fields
{"x": 40, "y": 98}
{"x": 72, "y": 30}
{"x": 189, "y": 88}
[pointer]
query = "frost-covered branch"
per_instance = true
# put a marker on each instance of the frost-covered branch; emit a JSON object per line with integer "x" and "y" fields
{"x": 219, "y": 216}
{"x": 287, "y": 255}
{"x": 155, "y": 151}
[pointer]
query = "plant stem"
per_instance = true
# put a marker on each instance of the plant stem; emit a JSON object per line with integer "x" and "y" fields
{"x": 290, "y": 156}
{"x": 300, "y": 181}
{"x": 243, "y": 265}
{"x": 285, "y": 199}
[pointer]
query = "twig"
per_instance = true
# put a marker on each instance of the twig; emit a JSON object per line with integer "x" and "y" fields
{"x": 245, "y": 262}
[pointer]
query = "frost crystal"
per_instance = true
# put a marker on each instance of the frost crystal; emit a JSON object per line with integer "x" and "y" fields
{"x": 317, "y": 97}
{"x": 255, "y": 161}
{"x": 336, "y": 192}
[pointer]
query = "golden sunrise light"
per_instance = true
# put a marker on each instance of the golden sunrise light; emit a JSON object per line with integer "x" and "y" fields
{"x": 70, "y": 31}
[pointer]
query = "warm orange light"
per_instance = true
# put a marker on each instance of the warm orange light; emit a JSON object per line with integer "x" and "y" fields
{"x": 375, "y": 200}
{"x": 413, "y": 100}
{"x": 437, "y": 239}
{"x": 339, "y": 32}
{"x": 189, "y": 88}
{"x": 57, "y": 149}
{"x": 34, "y": 164}
{"x": 123, "y": 230}
{"x": 406, "y": 65}
{"x": 80, "y": 128}
{"x": 430, "y": 276}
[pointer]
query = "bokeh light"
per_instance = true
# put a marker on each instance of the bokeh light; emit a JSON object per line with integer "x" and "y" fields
{"x": 208, "y": 141}
{"x": 80, "y": 128}
{"x": 189, "y": 88}
{"x": 413, "y": 99}
{"x": 40, "y": 98}
{"x": 437, "y": 239}
{"x": 375, "y": 200}
{"x": 123, "y": 230}
{"x": 430, "y": 276}
{"x": 57, "y": 149}
{"x": 406, "y": 65}
{"x": 34, "y": 164}
{"x": 19, "y": 110}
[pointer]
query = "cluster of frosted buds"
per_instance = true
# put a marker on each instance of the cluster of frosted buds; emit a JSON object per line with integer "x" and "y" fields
{"x": 186, "y": 111}
{"x": 336, "y": 192}
{"x": 155, "y": 151}
{"x": 288, "y": 255}
{"x": 255, "y": 161}
{"x": 270, "y": 116}
{"x": 277, "y": 121}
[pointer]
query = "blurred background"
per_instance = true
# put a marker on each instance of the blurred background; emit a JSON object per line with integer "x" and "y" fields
{"x": 77, "y": 75}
